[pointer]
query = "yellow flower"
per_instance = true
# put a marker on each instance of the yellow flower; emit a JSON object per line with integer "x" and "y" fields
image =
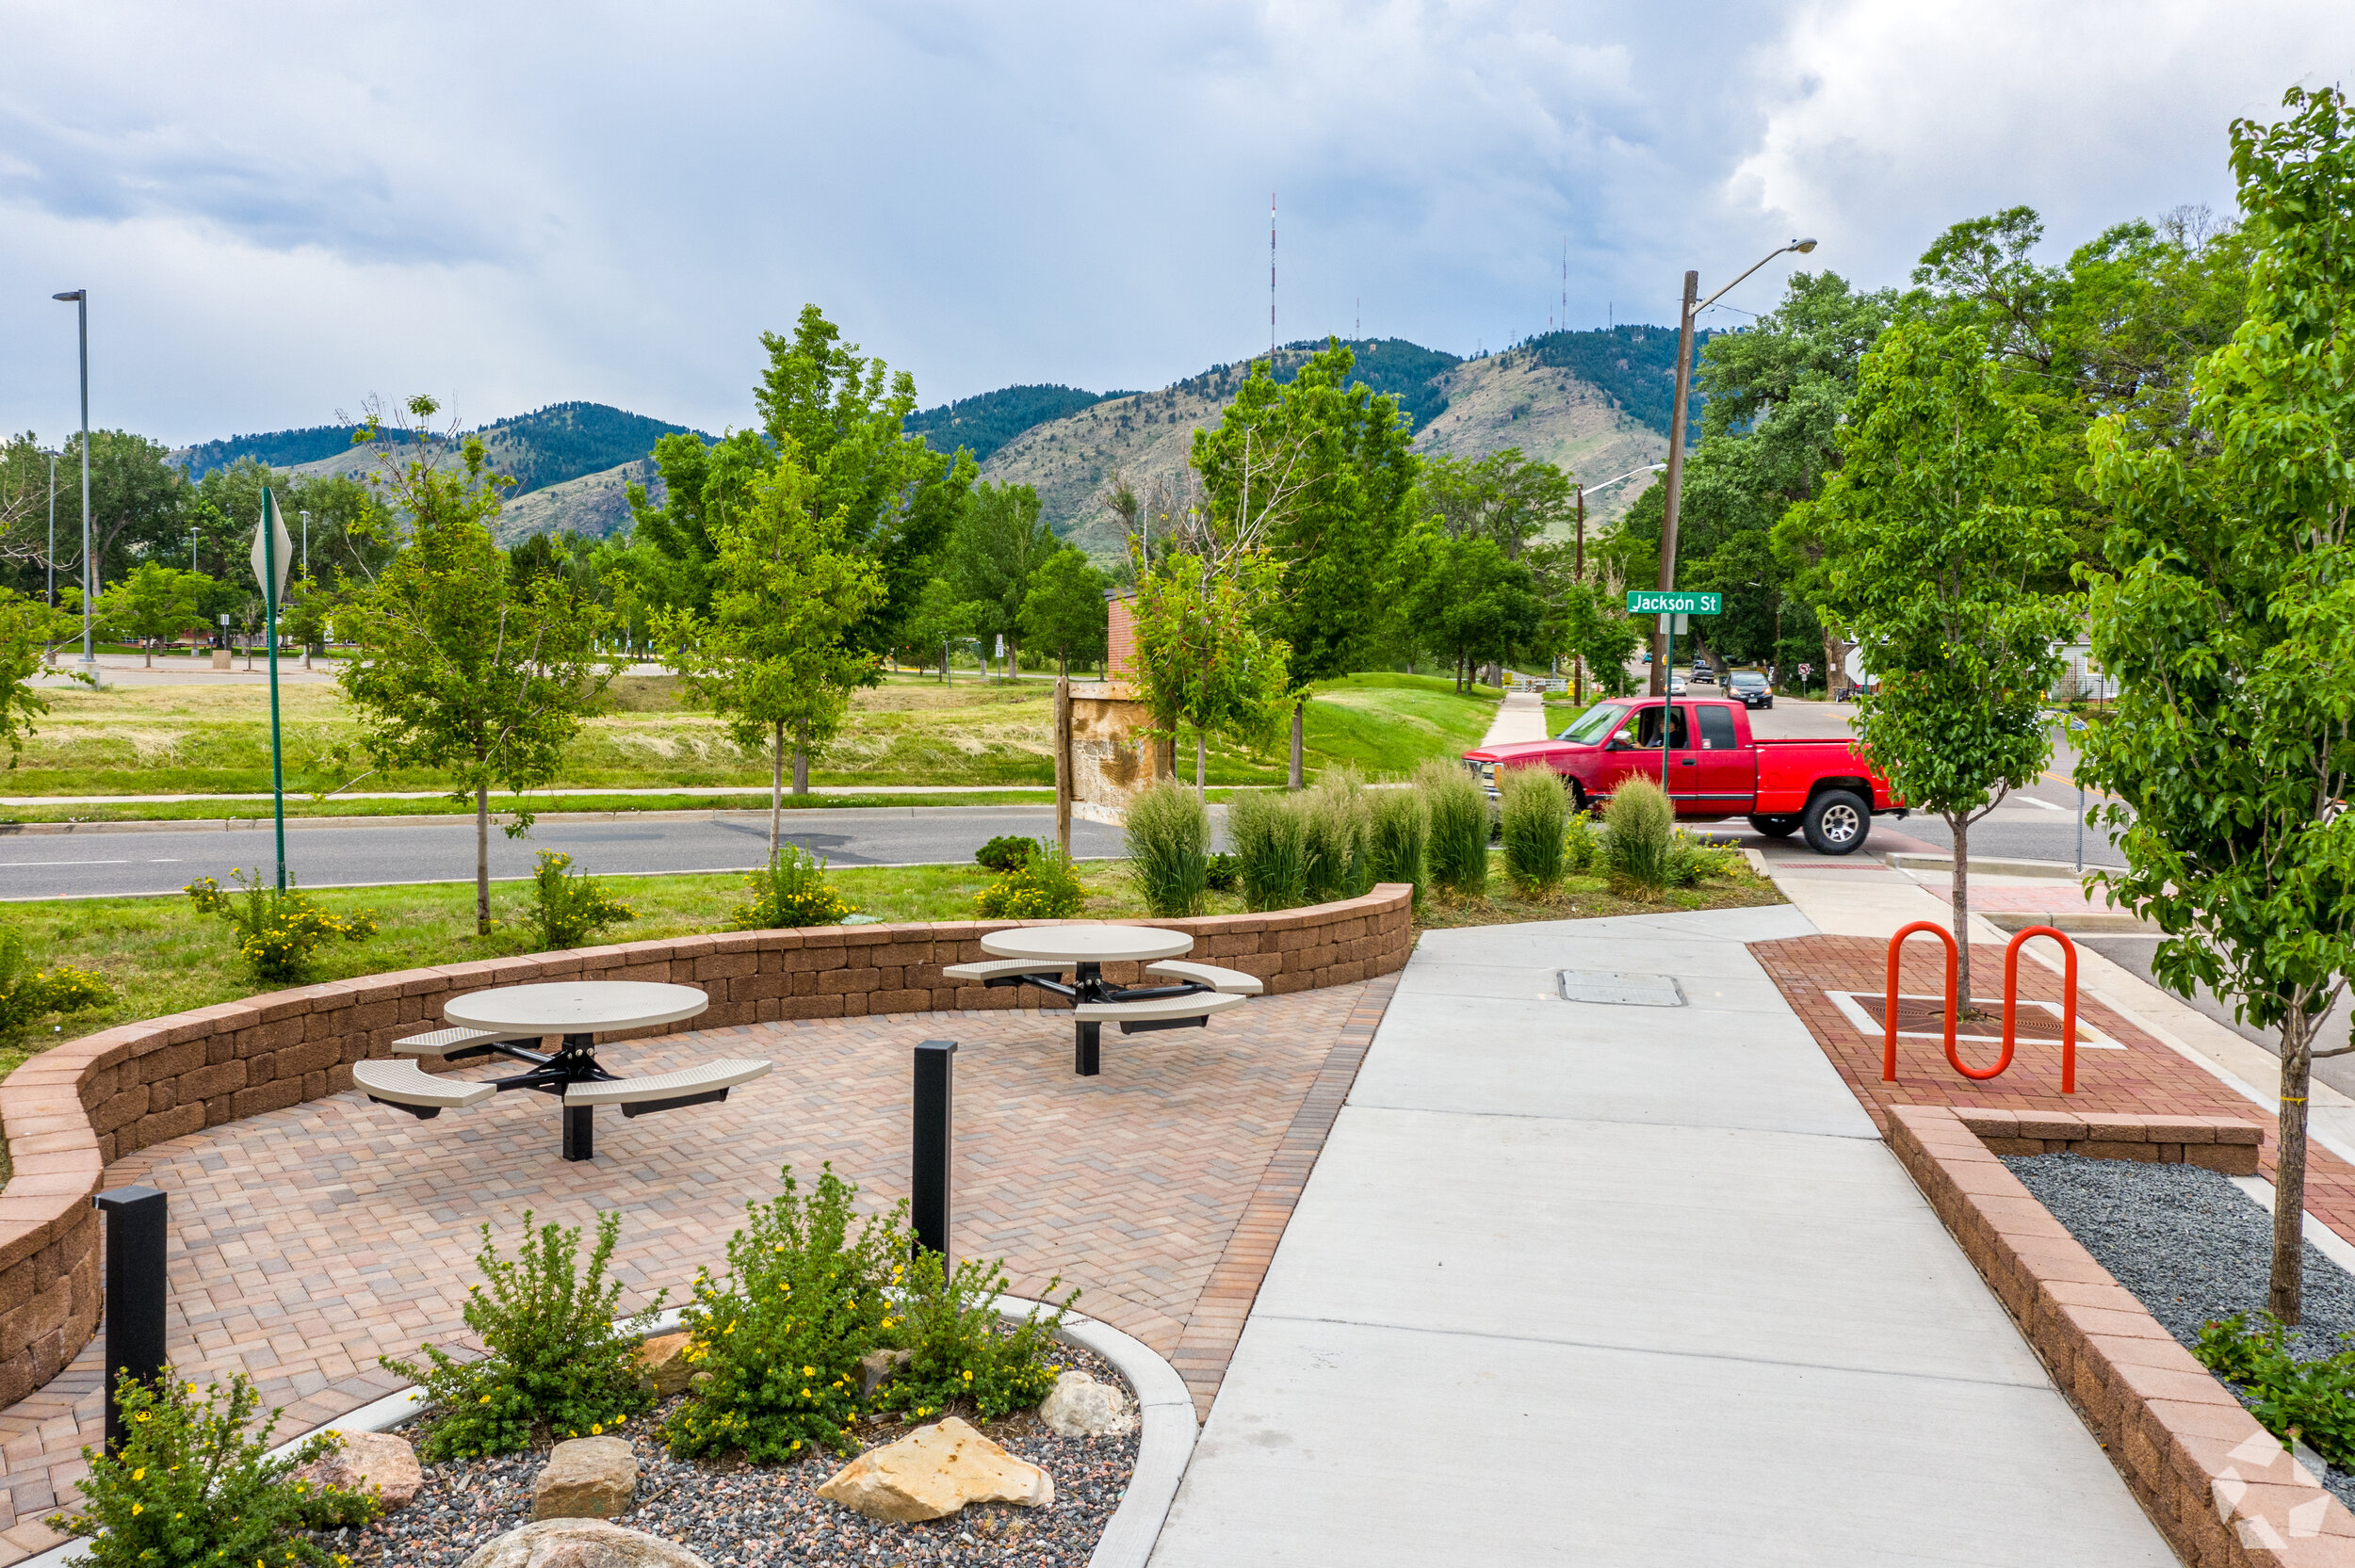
{"x": 144, "y": 1415}
{"x": 809, "y": 1371}
{"x": 597, "y": 1430}
{"x": 138, "y": 1508}
{"x": 139, "y": 1474}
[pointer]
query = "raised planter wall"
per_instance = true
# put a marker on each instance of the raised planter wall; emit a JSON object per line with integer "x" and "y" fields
{"x": 75, "y": 1109}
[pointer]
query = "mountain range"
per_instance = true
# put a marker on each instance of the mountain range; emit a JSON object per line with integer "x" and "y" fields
{"x": 1595, "y": 402}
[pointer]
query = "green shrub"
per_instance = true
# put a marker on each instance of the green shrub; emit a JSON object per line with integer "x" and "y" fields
{"x": 1271, "y": 843}
{"x": 1398, "y": 835}
{"x": 1169, "y": 850}
{"x": 1004, "y": 853}
{"x": 1334, "y": 823}
{"x": 568, "y": 908}
{"x": 1045, "y": 886}
{"x": 1693, "y": 861}
{"x": 957, "y": 1354}
{"x": 1223, "y": 874}
{"x": 196, "y": 1484}
{"x": 791, "y": 890}
{"x": 27, "y": 993}
{"x": 1535, "y": 815}
{"x": 555, "y": 1362}
{"x": 1458, "y": 852}
{"x": 278, "y": 931}
{"x": 782, "y": 1336}
{"x": 2312, "y": 1401}
{"x": 1580, "y": 845}
{"x": 1639, "y": 836}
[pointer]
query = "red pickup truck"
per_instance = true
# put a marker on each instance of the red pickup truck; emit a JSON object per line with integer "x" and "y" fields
{"x": 1716, "y": 769}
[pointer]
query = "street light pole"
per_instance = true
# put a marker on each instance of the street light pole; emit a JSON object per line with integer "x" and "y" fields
{"x": 80, "y": 298}
{"x": 1674, "y": 492}
{"x": 53, "y": 530}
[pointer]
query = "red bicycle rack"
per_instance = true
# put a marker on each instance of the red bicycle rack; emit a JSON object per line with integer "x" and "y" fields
{"x": 2011, "y": 1004}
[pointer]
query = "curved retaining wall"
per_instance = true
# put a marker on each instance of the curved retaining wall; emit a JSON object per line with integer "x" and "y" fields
{"x": 75, "y": 1109}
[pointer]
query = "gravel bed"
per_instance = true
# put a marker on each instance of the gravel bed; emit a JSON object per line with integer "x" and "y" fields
{"x": 737, "y": 1515}
{"x": 2193, "y": 1248}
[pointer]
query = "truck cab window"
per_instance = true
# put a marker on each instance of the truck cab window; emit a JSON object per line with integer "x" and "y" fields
{"x": 1647, "y": 729}
{"x": 1716, "y": 729}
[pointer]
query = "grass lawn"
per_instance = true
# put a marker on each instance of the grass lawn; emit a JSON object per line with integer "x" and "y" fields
{"x": 909, "y": 730}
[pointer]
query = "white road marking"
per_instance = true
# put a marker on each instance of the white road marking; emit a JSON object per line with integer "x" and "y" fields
{"x": 2032, "y": 800}
{"x": 38, "y": 863}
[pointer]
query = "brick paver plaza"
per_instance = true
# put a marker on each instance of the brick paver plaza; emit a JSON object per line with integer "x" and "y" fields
{"x": 307, "y": 1242}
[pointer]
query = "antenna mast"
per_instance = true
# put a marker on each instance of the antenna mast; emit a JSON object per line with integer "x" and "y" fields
{"x": 1271, "y": 281}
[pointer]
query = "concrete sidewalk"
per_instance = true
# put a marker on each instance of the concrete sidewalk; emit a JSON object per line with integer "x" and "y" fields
{"x": 1521, "y": 717}
{"x": 1617, "y": 1283}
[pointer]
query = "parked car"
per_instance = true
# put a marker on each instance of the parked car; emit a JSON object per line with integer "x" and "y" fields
{"x": 1704, "y": 675}
{"x": 1715, "y": 768}
{"x": 1676, "y": 684}
{"x": 1750, "y": 686}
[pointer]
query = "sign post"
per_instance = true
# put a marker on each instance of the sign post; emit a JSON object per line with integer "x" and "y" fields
{"x": 273, "y": 552}
{"x": 1672, "y": 608}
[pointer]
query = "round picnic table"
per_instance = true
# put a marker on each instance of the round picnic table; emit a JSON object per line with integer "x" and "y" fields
{"x": 1088, "y": 945}
{"x": 1085, "y": 950}
{"x": 579, "y": 1011}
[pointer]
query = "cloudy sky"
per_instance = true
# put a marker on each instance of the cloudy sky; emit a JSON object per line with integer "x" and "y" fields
{"x": 280, "y": 210}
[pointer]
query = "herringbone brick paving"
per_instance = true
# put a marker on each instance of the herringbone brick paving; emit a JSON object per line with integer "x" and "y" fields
{"x": 308, "y": 1241}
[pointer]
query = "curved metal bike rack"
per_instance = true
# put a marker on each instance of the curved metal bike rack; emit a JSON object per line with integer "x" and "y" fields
{"x": 2011, "y": 1004}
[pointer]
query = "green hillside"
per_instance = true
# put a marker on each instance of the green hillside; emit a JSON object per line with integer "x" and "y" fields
{"x": 277, "y": 448}
{"x": 1635, "y": 365}
{"x": 546, "y": 446}
{"x": 982, "y": 425}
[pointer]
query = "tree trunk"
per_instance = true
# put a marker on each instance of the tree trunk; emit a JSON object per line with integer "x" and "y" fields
{"x": 1295, "y": 780}
{"x": 1958, "y": 823}
{"x": 776, "y": 787}
{"x": 482, "y": 860}
{"x": 2286, "y": 1296}
{"x": 1201, "y": 763}
{"x": 801, "y": 760}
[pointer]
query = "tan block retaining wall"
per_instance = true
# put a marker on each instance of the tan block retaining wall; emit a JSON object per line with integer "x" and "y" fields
{"x": 2220, "y": 1488}
{"x": 75, "y": 1109}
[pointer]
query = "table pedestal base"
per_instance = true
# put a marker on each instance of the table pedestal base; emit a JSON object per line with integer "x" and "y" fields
{"x": 1087, "y": 1049}
{"x": 580, "y": 1133}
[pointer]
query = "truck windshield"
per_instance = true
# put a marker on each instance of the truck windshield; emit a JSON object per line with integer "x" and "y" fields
{"x": 1596, "y": 722}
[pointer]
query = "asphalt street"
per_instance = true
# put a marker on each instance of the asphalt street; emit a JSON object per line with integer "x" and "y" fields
{"x": 99, "y": 864}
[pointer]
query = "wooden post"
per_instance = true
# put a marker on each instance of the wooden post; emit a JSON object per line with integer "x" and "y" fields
{"x": 1064, "y": 783}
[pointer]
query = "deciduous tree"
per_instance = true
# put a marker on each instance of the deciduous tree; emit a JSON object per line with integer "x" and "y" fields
{"x": 1064, "y": 609}
{"x": 154, "y": 602}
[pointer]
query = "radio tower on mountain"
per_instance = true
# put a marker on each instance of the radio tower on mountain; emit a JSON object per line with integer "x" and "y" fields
{"x": 1270, "y": 280}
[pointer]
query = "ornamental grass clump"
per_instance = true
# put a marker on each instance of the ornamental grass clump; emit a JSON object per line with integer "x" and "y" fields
{"x": 791, "y": 890}
{"x": 958, "y": 1355}
{"x": 568, "y": 908}
{"x": 557, "y": 1364}
{"x": 278, "y": 931}
{"x": 1271, "y": 843}
{"x": 1334, "y": 825}
{"x": 1536, "y": 814}
{"x": 195, "y": 1483}
{"x": 27, "y": 993}
{"x": 1398, "y": 834}
{"x": 1045, "y": 886}
{"x": 1169, "y": 850}
{"x": 1639, "y": 839}
{"x": 1458, "y": 853}
{"x": 807, "y": 1294}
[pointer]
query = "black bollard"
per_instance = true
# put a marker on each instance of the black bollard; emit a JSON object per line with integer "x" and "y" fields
{"x": 135, "y": 1293}
{"x": 936, "y": 1118}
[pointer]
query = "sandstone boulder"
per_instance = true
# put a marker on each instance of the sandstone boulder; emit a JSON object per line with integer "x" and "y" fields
{"x": 1081, "y": 1407}
{"x": 663, "y": 1366}
{"x": 586, "y": 1477}
{"x": 877, "y": 1366}
{"x": 933, "y": 1471}
{"x": 376, "y": 1461}
{"x": 581, "y": 1543}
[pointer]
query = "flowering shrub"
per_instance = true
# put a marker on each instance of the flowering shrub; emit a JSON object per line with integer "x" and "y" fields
{"x": 957, "y": 1354}
{"x": 791, "y": 891}
{"x": 568, "y": 908}
{"x": 192, "y": 1484}
{"x": 1044, "y": 887}
{"x": 557, "y": 1363}
{"x": 27, "y": 993}
{"x": 280, "y": 929}
{"x": 782, "y": 1335}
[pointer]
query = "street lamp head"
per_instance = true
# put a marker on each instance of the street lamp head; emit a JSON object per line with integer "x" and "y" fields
{"x": 1802, "y": 246}
{"x": 71, "y": 295}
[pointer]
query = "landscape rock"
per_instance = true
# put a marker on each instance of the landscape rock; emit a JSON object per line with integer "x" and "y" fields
{"x": 1081, "y": 1407}
{"x": 369, "y": 1462}
{"x": 933, "y": 1471}
{"x": 581, "y": 1543}
{"x": 586, "y": 1477}
{"x": 663, "y": 1366}
{"x": 876, "y": 1367}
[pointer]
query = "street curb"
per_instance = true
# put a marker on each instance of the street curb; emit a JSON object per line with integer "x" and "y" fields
{"x": 1165, "y": 1436}
{"x": 1902, "y": 860}
{"x": 2076, "y": 923}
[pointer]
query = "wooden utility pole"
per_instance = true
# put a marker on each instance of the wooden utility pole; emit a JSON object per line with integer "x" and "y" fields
{"x": 1676, "y": 477}
{"x": 1063, "y": 764}
{"x": 1578, "y": 661}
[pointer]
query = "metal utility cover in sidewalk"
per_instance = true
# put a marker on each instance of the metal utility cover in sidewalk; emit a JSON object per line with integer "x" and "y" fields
{"x": 1620, "y": 990}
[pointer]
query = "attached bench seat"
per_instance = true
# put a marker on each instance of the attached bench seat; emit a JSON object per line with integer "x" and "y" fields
{"x": 447, "y": 1044}
{"x": 1159, "y": 1013}
{"x": 689, "y": 1086}
{"x": 416, "y": 1091}
{"x": 1004, "y": 969}
{"x": 1231, "y": 981}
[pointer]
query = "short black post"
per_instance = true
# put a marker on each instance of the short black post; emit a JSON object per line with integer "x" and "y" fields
{"x": 135, "y": 1293}
{"x": 936, "y": 1121}
{"x": 1087, "y": 1055}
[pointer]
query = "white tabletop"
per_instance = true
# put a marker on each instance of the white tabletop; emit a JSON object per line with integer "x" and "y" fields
{"x": 577, "y": 1006}
{"x": 1088, "y": 944}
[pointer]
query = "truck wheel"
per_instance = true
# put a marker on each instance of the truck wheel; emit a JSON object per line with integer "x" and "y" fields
{"x": 1837, "y": 821}
{"x": 1775, "y": 827}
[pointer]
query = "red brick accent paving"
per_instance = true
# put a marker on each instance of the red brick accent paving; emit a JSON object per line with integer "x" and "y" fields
{"x": 2223, "y": 1491}
{"x": 309, "y": 1240}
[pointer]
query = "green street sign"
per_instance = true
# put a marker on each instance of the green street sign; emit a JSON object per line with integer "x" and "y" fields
{"x": 1653, "y": 602}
